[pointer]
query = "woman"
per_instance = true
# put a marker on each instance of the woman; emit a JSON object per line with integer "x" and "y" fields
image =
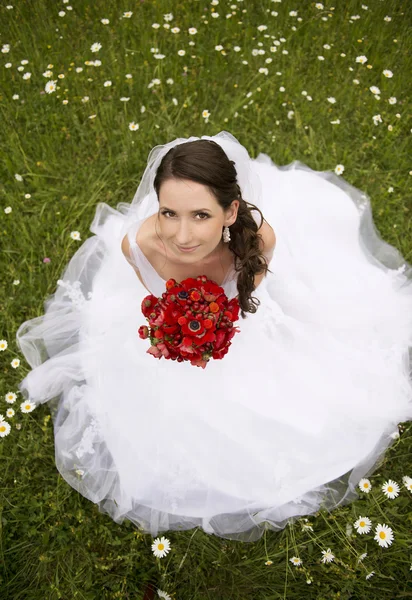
{"x": 309, "y": 395}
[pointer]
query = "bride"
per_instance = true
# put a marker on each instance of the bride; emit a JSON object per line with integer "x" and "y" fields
{"x": 310, "y": 393}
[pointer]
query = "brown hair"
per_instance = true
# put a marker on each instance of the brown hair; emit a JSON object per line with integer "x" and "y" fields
{"x": 205, "y": 162}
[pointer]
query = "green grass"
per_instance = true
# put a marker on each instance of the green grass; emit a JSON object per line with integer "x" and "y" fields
{"x": 55, "y": 543}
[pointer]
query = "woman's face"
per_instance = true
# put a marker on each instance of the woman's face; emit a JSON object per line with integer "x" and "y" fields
{"x": 190, "y": 216}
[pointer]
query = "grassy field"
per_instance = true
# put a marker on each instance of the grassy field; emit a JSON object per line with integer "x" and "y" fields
{"x": 86, "y": 91}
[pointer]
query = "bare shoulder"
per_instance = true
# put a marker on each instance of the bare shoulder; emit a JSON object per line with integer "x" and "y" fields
{"x": 144, "y": 238}
{"x": 268, "y": 237}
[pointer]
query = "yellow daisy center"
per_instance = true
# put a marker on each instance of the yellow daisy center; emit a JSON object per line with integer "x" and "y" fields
{"x": 160, "y": 547}
{"x": 362, "y": 523}
{"x": 382, "y": 535}
{"x": 27, "y": 406}
{"x": 366, "y": 485}
{"x": 390, "y": 488}
{"x": 2, "y": 428}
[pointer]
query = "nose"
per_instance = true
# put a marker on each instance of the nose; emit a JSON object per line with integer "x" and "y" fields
{"x": 183, "y": 235}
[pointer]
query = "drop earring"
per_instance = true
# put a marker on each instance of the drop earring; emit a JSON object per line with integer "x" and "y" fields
{"x": 226, "y": 234}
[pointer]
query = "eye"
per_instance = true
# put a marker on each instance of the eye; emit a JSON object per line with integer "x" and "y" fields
{"x": 204, "y": 215}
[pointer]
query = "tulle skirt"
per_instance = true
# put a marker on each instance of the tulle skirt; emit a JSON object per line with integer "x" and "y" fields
{"x": 302, "y": 407}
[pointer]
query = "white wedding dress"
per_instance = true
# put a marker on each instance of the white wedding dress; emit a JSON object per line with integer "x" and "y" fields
{"x": 304, "y": 404}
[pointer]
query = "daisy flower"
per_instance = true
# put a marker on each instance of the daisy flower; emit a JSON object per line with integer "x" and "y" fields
{"x": 15, "y": 363}
{"x": 3, "y": 345}
{"x": 339, "y": 169}
{"x": 365, "y": 485}
{"x": 363, "y": 525}
{"x": 4, "y": 427}
{"x": 327, "y": 556}
{"x": 160, "y": 547}
{"x": 10, "y": 397}
{"x": 407, "y": 482}
{"x": 163, "y": 594}
{"x": 369, "y": 575}
{"x": 295, "y": 560}
{"x": 390, "y": 489}
{"x": 383, "y": 535}
{"x": 362, "y": 557}
{"x": 50, "y": 87}
{"x": 27, "y": 407}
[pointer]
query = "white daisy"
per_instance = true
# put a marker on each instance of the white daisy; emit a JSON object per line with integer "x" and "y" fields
{"x": 362, "y": 557}
{"x": 383, "y": 535}
{"x": 50, "y": 87}
{"x": 327, "y": 556}
{"x": 390, "y": 489}
{"x": 127, "y": 15}
{"x": 365, "y": 485}
{"x": 387, "y": 73}
{"x": 133, "y": 126}
{"x": 10, "y": 397}
{"x": 10, "y": 413}
{"x": 369, "y": 575}
{"x": 374, "y": 89}
{"x": 4, "y": 428}
{"x": 269, "y": 562}
{"x": 95, "y": 47}
{"x": 27, "y": 406}
{"x": 160, "y": 547}
{"x": 163, "y": 594}
{"x": 339, "y": 169}
{"x": 295, "y": 560}
{"x": 75, "y": 235}
{"x": 361, "y": 59}
{"x": 192, "y": 30}
{"x": 407, "y": 482}
{"x": 363, "y": 525}
{"x": 3, "y": 345}
{"x": 15, "y": 363}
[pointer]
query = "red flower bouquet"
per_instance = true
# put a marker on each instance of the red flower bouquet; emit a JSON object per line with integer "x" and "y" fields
{"x": 193, "y": 320}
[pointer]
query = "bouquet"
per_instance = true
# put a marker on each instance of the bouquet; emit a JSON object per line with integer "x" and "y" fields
{"x": 192, "y": 320}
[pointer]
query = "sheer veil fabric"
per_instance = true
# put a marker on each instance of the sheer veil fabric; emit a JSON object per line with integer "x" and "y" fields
{"x": 305, "y": 403}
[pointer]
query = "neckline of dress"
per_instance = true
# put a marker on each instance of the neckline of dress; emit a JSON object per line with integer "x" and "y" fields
{"x": 140, "y": 222}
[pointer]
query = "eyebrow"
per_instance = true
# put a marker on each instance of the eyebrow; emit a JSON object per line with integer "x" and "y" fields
{"x": 193, "y": 211}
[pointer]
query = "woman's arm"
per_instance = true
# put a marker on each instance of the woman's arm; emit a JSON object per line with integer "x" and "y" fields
{"x": 126, "y": 252}
{"x": 267, "y": 245}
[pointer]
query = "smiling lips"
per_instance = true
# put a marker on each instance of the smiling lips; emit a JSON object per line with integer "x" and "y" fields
{"x": 187, "y": 249}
